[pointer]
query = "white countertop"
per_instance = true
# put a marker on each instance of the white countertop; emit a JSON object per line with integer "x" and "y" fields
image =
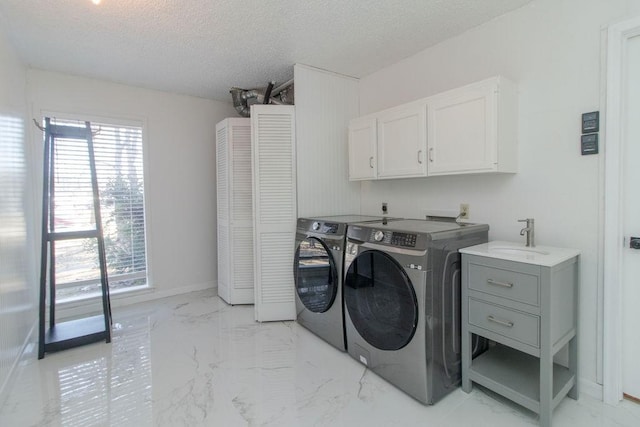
{"x": 547, "y": 256}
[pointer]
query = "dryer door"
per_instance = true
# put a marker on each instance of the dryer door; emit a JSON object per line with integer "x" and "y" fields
{"x": 381, "y": 300}
{"x": 315, "y": 275}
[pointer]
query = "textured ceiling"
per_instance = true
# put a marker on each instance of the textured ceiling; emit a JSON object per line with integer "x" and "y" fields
{"x": 203, "y": 47}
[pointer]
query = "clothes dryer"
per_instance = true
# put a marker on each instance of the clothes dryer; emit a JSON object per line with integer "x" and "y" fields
{"x": 402, "y": 299}
{"x": 318, "y": 273}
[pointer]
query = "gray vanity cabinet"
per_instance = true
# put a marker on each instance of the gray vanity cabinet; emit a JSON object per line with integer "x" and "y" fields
{"x": 529, "y": 312}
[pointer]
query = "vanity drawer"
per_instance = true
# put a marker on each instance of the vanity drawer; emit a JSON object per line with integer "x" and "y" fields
{"x": 514, "y": 285}
{"x": 516, "y": 325}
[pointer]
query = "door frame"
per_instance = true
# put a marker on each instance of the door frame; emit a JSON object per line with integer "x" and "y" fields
{"x": 617, "y": 38}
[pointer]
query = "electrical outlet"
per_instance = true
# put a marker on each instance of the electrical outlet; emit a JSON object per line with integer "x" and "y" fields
{"x": 464, "y": 211}
{"x": 384, "y": 208}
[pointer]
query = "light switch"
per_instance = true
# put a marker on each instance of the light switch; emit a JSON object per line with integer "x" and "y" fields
{"x": 591, "y": 122}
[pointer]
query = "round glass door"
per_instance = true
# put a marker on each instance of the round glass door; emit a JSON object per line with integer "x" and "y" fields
{"x": 380, "y": 300}
{"x": 315, "y": 275}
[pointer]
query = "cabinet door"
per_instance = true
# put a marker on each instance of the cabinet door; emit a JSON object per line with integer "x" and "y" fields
{"x": 362, "y": 149}
{"x": 402, "y": 142}
{"x": 462, "y": 130}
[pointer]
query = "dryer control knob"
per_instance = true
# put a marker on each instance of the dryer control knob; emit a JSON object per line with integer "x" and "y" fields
{"x": 316, "y": 226}
{"x": 378, "y": 236}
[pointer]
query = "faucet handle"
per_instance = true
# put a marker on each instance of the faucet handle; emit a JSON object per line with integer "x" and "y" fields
{"x": 528, "y": 230}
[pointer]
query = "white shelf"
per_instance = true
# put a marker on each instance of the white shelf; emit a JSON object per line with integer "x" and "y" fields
{"x": 516, "y": 375}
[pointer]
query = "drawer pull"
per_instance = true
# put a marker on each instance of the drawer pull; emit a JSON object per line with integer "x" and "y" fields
{"x": 500, "y": 322}
{"x": 503, "y": 284}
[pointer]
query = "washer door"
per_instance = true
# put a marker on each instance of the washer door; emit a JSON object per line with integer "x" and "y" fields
{"x": 380, "y": 300}
{"x": 315, "y": 275}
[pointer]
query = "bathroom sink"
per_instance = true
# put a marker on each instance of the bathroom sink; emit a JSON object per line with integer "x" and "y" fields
{"x": 517, "y": 251}
{"x": 512, "y": 251}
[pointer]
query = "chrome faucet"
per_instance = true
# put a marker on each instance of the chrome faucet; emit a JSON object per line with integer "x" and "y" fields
{"x": 529, "y": 230}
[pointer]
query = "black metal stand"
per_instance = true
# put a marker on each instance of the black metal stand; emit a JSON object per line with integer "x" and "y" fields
{"x": 64, "y": 335}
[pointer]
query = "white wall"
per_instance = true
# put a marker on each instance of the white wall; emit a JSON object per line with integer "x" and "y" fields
{"x": 18, "y": 293}
{"x": 325, "y": 102}
{"x": 551, "y": 49}
{"x": 179, "y": 168}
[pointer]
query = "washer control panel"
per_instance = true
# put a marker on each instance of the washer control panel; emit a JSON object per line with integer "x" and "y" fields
{"x": 393, "y": 238}
{"x": 330, "y": 228}
{"x": 325, "y": 227}
{"x": 379, "y": 236}
{"x": 404, "y": 239}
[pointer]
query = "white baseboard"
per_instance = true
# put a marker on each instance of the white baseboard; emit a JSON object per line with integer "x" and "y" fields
{"x": 121, "y": 299}
{"x": 30, "y": 340}
{"x": 590, "y": 388}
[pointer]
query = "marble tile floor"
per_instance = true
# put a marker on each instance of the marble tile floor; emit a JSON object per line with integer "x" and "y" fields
{"x": 192, "y": 360}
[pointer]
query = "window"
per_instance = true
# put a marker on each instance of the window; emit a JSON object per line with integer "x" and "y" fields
{"x": 119, "y": 168}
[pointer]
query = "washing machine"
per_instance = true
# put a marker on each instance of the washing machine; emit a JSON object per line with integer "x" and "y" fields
{"x": 317, "y": 270}
{"x": 402, "y": 301}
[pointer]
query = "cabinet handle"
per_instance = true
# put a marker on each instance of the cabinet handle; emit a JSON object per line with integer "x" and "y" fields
{"x": 431, "y": 154}
{"x": 500, "y": 322}
{"x": 371, "y": 162}
{"x": 420, "y": 157}
{"x": 503, "y": 284}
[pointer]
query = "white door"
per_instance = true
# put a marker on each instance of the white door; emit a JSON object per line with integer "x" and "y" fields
{"x": 362, "y": 149}
{"x": 631, "y": 221}
{"x": 462, "y": 130}
{"x": 274, "y": 205}
{"x": 402, "y": 142}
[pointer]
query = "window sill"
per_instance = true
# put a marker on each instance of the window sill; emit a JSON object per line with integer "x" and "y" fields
{"x": 86, "y": 304}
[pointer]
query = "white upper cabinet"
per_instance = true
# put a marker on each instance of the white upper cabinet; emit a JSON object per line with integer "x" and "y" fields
{"x": 389, "y": 144}
{"x": 469, "y": 130}
{"x": 472, "y": 129}
{"x": 362, "y": 149}
{"x": 402, "y": 141}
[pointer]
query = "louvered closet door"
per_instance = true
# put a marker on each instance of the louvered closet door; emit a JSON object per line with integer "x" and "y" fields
{"x": 235, "y": 215}
{"x": 222, "y": 192}
{"x": 274, "y": 203}
{"x": 241, "y": 213}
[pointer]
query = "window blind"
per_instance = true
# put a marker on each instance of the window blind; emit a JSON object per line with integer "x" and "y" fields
{"x": 119, "y": 167}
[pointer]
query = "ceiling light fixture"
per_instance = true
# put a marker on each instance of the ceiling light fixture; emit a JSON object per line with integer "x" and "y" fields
{"x": 96, "y": 2}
